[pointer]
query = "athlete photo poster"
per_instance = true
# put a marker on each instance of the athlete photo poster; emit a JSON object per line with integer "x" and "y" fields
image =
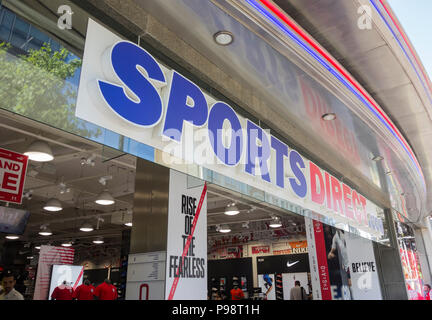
{"x": 343, "y": 265}
{"x": 267, "y": 284}
{"x": 338, "y": 263}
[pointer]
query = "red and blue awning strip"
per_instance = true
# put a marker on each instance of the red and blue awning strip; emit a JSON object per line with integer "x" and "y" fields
{"x": 290, "y": 28}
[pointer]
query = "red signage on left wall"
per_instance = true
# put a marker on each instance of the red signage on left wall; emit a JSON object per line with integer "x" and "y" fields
{"x": 13, "y": 167}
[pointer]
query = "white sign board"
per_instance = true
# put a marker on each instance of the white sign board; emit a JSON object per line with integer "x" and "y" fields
{"x": 363, "y": 269}
{"x": 146, "y": 276}
{"x": 186, "y": 264}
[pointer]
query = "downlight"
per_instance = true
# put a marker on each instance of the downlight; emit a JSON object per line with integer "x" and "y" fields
{"x": 53, "y": 205}
{"x": 39, "y": 151}
{"x": 98, "y": 241}
{"x": 275, "y": 223}
{"x": 105, "y": 199}
{"x": 86, "y": 227}
{"x": 223, "y": 38}
{"x": 329, "y": 116}
{"x": 67, "y": 244}
{"x": 45, "y": 231}
{"x": 224, "y": 228}
{"x": 232, "y": 210}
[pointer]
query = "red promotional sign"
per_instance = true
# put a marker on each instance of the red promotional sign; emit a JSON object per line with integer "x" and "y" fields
{"x": 13, "y": 167}
{"x": 260, "y": 249}
{"x": 324, "y": 277}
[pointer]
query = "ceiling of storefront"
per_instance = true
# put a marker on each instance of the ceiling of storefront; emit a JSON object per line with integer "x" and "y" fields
{"x": 74, "y": 177}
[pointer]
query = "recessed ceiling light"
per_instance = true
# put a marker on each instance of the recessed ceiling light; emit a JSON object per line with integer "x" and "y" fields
{"x": 105, "y": 199}
{"x": 37, "y": 247}
{"x": 86, "y": 227}
{"x": 388, "y": 173}
{"x": 12, "y": 237}
{"x": 377, "y": 158}
{"x": 329, "y": 116}
{"x": 128, "y": 224}
{"x": 53, "y": 205}
{"x": 223, "y": 38}
{"x": 39, "y": 151}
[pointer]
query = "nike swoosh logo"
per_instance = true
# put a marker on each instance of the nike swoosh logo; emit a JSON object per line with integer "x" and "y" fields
{"x": 291, "y": 264}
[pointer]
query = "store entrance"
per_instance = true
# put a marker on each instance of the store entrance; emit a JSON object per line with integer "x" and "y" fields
{"x": 259, "y": 249}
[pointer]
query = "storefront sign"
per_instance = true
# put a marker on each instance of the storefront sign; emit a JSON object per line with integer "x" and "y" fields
{"x": 290, "y": 263}
{"x": 186, "y": 267}
{"x": 260, "y": 249}
{"x": 125, "y": 89}
{"x": 294, "y": 247}
{"x": 49, "y": 256}
{"x": 13, "y": 167}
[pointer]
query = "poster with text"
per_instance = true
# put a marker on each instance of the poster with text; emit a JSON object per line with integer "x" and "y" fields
{"x": 186, "y": 265}
{"x": 363, "y": 269}
{"x": 343, "y": 265}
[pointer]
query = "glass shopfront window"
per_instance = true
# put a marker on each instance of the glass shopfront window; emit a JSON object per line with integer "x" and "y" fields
{"x": 40, "y": 79}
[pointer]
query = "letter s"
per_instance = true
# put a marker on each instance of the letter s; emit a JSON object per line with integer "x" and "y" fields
{"x": 146, "y": 109}
{"x": 298, "y": 184}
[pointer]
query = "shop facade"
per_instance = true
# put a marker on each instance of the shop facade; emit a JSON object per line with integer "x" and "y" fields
{"x": 193, "y": 141}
